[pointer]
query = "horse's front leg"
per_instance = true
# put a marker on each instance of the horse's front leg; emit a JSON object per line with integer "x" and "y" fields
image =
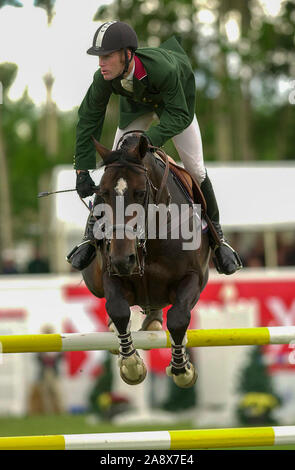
{"x": 132, "y": 368}
{"x": 178, "y": 318}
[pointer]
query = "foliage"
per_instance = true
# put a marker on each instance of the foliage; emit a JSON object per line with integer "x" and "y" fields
{"x": 7, "y": 75}
{"x": 231, "y": 75}
{"x": 13, "y": 3}
{"x": 102, "y": 401}
{"x": 28, "y": 159}
{"x": 48, "y": 5}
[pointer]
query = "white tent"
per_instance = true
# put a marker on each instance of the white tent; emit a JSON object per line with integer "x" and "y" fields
{"x": 256, "y": 197}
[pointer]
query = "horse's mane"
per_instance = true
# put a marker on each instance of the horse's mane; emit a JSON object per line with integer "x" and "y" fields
{"x": 124, "y": 156}
{"x": 121, "y": 156}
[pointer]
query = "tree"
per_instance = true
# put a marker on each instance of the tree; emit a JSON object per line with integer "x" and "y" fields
{"x": 236, "y": 74}
{"x": 48, "y": 6}
{"x": 13, "y": 3}
{"x": 48, "y": 132}
{"x": 7, "y": 75}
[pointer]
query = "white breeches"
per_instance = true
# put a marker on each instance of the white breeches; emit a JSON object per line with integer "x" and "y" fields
{"x": 188, "y": 144}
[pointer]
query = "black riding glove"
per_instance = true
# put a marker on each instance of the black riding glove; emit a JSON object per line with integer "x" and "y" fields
{"x": 84, "y": 184}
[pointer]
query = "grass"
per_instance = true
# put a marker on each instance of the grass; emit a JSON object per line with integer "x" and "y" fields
{"x": 79, "y": 424}
{"x": 70, "y": 424}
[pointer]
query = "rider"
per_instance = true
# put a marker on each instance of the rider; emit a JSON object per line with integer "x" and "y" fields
{"x": 149, "y": 81}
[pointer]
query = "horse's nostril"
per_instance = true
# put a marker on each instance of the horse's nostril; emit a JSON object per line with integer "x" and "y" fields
{"x": 124, "y": 265}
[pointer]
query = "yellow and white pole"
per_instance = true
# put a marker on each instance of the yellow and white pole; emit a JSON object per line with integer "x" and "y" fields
{"x": 157, "y": 440}
{"x": 145, "y": 339}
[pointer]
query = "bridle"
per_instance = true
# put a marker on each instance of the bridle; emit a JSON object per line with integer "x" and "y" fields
{"x": 152, "y": 196}
{"x": 141, "y": 238}
{"x": 163, "y": 156}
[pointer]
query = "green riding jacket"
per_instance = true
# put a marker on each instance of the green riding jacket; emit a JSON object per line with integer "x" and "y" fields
{"x": 168, "y": 89}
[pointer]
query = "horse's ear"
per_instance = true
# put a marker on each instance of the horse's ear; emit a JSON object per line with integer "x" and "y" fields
{"x": 142, "y": 146}
{"x": 103, "y": 151}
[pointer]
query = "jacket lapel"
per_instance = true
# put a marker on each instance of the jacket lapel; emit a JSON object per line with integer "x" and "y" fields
{"x": 140, "y": 83}
{"x": 139, "y": 79}
{"x": 139, "y": 87}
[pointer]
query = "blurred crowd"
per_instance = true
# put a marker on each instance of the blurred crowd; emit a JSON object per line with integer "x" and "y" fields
{"x": 251, "y": 248}
{"x": 35, "y": 265}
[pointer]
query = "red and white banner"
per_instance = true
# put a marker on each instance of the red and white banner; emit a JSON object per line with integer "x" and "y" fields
{"x": 273, "y": 293}
{"x": 275, "y": 299}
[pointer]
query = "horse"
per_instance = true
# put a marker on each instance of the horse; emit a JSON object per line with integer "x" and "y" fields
{"x": 150, "y": 272}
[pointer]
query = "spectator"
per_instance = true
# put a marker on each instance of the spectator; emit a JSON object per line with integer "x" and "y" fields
{"x": 8, "y": 263}
{"x": 37, "y": 264}
{"x": 49, "y": 378}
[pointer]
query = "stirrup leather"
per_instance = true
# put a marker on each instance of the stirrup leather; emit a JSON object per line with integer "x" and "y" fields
{"x": 236, "y": 255}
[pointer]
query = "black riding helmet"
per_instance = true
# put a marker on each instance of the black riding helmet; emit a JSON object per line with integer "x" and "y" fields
{"x": 113, "y": 36}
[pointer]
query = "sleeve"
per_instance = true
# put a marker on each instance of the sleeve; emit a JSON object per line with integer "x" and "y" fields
{"x": 175, "y": 116}
{"x": 91, "y": 115}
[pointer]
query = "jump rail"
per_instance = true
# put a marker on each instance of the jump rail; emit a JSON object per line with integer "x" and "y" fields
{"x": 156, "y": 440}
{"x": 145, "y": 339}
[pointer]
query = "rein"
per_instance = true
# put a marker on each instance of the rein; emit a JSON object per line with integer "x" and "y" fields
{"x": 141, "y": 240}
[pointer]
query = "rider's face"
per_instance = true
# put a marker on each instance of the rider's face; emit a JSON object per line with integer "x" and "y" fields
{"x": 111, "y": 65}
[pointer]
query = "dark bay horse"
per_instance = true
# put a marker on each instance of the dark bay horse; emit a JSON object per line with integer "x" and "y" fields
{"x": 151, "y": 272}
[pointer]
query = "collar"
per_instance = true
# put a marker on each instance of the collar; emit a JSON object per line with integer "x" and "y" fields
{"x": 130, "y": 76}
{"x": 139, "y": 70}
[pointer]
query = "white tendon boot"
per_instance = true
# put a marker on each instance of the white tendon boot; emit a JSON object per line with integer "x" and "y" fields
{"x": 180, "y": 368}
{"x": 132, "y": 367}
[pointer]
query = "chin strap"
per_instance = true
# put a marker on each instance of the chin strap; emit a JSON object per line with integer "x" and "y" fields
{"x": 127, "y": 63}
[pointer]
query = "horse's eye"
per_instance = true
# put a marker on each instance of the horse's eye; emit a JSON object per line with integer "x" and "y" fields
{"x": 104, "y": 193}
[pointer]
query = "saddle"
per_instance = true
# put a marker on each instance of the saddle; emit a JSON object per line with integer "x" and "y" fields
{"x": 190, "y": 185}
{"x": 187, "y": 181}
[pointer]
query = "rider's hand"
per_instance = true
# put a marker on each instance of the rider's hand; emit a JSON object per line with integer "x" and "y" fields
{"x": 84, "y": 184}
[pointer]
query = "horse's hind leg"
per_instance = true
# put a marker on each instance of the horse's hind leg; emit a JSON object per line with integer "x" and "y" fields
{"x": 132, "y": 368}
{"x": 178, "y": 319}
{"x": 153, "y": 320}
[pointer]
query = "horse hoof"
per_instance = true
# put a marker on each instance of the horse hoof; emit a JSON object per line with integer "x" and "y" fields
{"x": 132, "y": 369}
{"x": 186, "y": 380}
{"x": 155, "y": 325}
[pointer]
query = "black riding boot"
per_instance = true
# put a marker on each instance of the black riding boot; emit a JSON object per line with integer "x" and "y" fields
{"x": 226, "y": 259}
{"x": 83, "y": 253}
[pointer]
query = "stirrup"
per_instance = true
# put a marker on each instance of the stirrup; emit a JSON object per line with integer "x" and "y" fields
{"x": 238, "y": 260}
